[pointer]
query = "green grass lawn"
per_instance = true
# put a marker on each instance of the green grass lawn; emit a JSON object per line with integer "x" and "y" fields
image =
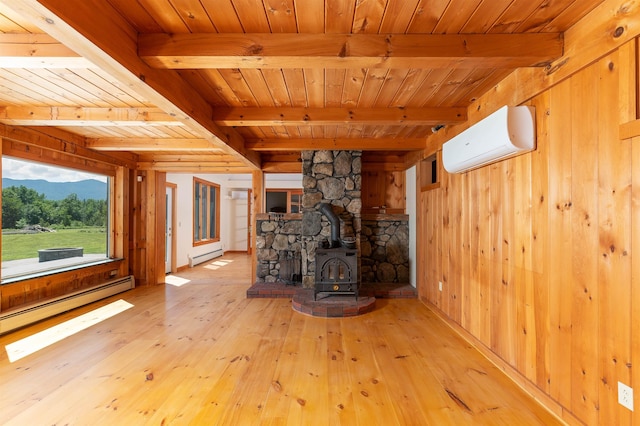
{"x": 25, "y": 246}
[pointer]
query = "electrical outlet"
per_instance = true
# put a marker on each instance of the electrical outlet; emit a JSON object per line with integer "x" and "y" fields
{"x": 440, "y": 285}
{"x": 625, "y": 396}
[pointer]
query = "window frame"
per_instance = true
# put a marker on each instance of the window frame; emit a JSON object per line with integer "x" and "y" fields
{"x": 292, "y": 206}
{"x": 202, "y": 187}
{"x": 64, "y": 163}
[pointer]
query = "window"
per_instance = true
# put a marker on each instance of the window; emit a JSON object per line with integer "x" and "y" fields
{"x": 206, "y": 212}
{"x": 53, "y": 218}
{"x": 429, "y": 172}
{"x": 284, "y": 200}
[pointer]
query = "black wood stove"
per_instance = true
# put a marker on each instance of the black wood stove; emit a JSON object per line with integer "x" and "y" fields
{"x": 336, "y": 271}
{"x": 336, "y": 265}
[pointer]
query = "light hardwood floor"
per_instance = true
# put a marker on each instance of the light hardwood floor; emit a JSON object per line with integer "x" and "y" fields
{"x": 202, "y": 353}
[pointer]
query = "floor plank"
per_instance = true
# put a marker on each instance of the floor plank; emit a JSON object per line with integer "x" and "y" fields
{"x": 202, "y": 353}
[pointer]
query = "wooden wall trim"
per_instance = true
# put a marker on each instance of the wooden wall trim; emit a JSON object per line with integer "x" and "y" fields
{"x": 35, "y": 290}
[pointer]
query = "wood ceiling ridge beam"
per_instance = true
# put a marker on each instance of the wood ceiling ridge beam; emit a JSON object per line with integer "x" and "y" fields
{"x": 364, "y": 144}
{"x": 342, "y": 51}
{"x": 30, "y": 51}
{"x": 112, "y": 46}
{"x": 324, "y": 116}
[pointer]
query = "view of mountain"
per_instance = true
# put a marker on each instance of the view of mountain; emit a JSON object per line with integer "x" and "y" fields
{"x": 84, "y": 189}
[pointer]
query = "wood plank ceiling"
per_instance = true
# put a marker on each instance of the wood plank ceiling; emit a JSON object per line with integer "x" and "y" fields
{"x": 234, "y": 85}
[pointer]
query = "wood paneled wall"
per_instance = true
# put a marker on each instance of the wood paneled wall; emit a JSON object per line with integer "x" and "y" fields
{"x": 383, "y": 188}
{"x": 148, "y": 224}
{"x": 535, "y": 253}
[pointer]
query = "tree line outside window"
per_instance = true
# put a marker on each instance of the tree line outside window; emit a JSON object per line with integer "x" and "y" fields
{"x": 22, "y": 206}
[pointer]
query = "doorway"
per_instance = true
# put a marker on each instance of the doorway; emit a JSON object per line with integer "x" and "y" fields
{"x": 239, "y": 221}
{"x": 170, "y": 237}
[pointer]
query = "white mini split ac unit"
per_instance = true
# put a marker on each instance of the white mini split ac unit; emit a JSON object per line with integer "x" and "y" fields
{"x": 507, "y": 132}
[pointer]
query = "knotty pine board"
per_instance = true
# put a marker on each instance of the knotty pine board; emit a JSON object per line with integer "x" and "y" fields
{"x": 548, "y": 286}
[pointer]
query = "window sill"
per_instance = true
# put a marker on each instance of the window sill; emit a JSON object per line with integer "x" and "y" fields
{"x": 13, "y": 274}
{"x": 204, "y": 242}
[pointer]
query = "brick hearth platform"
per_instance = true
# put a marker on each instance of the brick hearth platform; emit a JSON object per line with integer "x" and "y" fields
{"x": 333, "y": 306}
{"x": 271, "y": 290}
{"x": 377, "y": 290}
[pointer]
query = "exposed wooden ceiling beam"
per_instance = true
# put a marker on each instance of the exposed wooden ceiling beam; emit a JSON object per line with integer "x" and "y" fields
{"x": 282, "y": 162}
{"x": 210, "y": 50}
{"x": 326, "y": 116}
{"x": 191, "y": 167}
{"x": 92, "y": 116}
{"x": 365, "y": 144}
{"x": 281, "y": 167}
{"x": 150, "y": 144}
{"x": 286, "y": 157}
{"x": 38, "y": 51}
{"x": 112, "y": 46}
{"x": 219, "y": 159}
{"x": 84, "y": 116}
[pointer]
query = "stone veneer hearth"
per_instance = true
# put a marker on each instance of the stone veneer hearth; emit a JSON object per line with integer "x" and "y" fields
{"x": 279, "y": 237}
{"x": 384, "y": 248}
{"x": 328, "y": 177}
{"x": 333, "y": 177}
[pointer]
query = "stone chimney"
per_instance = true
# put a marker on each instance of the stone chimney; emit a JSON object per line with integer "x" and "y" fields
{"x": 332, "y": 177}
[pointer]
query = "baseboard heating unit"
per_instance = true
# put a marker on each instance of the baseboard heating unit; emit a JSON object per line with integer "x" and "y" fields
{"x": 21, "y": 317}
{"x": 196, "y": 260}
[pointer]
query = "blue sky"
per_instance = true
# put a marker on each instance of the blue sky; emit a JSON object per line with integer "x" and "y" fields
{"x": 18, "y": 169}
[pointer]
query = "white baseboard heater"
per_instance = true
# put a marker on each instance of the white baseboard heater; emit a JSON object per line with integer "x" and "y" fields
{"x": 196, "y": 260}
{"x": 21, "y": 317}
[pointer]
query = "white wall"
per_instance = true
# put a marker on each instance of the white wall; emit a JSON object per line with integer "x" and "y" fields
{"x": 233, "y": 212}
{"x": 283, "y": 181}
{"x": 412, "y": 211}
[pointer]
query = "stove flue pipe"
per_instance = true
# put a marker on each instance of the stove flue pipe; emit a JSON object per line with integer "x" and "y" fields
{"x": 326, "y": 209}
